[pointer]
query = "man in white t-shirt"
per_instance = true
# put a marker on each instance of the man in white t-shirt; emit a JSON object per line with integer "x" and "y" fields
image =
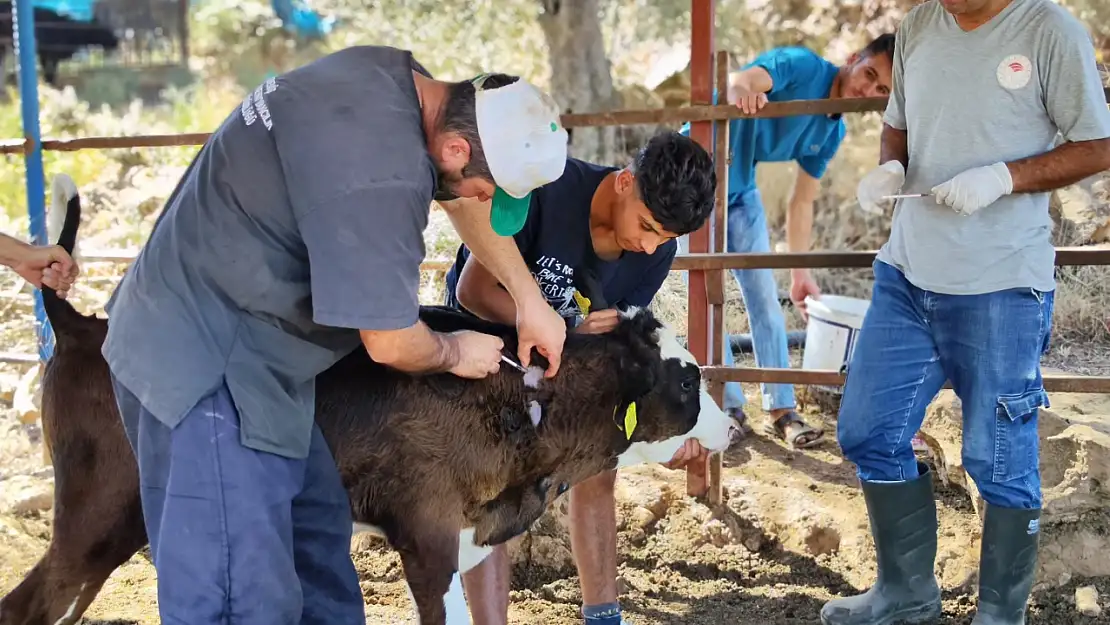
{"x": 964, "y": 287}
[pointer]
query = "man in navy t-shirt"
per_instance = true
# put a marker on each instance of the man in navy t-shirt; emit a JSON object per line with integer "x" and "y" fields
{"x": 623, "y": 224}
{"x": 779, "y": 75}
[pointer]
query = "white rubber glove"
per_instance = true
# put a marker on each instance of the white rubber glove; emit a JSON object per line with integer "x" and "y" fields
{"x": 886, "y": 179}
{"x": 975, "y": 188}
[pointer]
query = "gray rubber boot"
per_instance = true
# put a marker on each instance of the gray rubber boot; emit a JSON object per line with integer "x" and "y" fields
{"x": 904, "y": 526}
{"x": 1007, "y": 564}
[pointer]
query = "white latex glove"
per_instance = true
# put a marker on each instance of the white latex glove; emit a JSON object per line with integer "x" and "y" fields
{"x": 886, "y": 179}
{"x": 975, "y": 188}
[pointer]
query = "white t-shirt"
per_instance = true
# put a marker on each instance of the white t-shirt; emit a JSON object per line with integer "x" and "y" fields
{"x": 1001, "y": 92}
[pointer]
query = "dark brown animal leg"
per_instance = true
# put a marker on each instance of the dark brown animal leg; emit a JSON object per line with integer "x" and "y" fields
{"x": 63, "y": 584}
{"x": 98, "y": 520}
{"x": 430, "y": 561}
{"x": 40, "y": 600}
{"x": 513, "y": 511}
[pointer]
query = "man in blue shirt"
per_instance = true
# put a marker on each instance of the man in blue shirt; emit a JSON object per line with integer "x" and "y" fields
{"x": 782, "y": 74}
{"x": 623, "y": 224}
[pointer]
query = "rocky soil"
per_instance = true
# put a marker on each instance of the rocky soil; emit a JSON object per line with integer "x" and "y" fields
{"x": 791, "y": 533}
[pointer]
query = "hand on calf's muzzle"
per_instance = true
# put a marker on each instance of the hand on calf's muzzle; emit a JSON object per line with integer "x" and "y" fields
{"x": 690, "y": 451}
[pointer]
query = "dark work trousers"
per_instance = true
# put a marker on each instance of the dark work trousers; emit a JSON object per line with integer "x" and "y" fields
{"x": 238, "y": 535}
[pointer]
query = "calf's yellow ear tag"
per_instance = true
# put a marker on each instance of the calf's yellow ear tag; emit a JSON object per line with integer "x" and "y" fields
{"x": 582, "y": 301}
{"x": 629, "y": 420}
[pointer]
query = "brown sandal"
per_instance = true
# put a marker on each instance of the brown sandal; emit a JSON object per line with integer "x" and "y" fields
{"x": 779, "y": 426}
{"x": 741, "y": 418}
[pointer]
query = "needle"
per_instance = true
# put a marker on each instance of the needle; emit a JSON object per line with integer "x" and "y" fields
{"x": 905, "y": 195}
{"x": 512, "y": 364}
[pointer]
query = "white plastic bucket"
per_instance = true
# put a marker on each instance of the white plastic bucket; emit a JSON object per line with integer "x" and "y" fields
{"x": 831, "y": 333}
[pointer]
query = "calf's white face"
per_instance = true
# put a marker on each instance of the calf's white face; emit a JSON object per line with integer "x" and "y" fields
{"x": 714, "y": 429}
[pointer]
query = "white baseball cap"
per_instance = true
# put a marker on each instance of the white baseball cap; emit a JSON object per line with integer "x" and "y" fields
{"x": 525, "y": 146}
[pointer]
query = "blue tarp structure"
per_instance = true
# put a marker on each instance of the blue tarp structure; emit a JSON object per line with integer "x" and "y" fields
{"x": 81, "y": 10}
{"x": 296, "y": 15}
{"x": 298, "y": 18}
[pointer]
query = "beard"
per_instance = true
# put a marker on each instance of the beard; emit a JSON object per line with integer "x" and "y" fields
{"x": 445, "y": 186}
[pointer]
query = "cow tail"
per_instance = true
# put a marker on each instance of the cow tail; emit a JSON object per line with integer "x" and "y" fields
{"x": 64, "y": 200}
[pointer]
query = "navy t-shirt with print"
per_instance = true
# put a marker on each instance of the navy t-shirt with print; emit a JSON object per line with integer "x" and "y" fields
{"x": 556, "y": 238}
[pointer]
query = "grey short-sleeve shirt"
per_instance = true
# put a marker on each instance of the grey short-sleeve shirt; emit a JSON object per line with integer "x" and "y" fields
{"x": 298, "y": 223}
{"x": 1002, "y": 92}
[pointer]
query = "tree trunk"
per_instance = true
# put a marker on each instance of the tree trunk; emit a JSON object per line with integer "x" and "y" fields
{"x": 580, "y": 77}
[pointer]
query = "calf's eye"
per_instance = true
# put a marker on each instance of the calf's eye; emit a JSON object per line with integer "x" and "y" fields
{"x": 562, "y": 489}
{"x": 687, "y": 385}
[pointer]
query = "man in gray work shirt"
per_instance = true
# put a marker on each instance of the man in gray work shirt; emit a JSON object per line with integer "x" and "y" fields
{"x": 294, "y": 237}
{"x": 964, "y": 287}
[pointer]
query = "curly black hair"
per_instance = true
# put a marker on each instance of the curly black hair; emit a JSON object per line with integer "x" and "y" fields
{"x": 676, "y": 180}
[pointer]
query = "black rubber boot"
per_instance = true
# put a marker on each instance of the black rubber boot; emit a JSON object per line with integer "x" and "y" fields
{"x": 1007, "y": 564}
{"x": 904, "y": 526}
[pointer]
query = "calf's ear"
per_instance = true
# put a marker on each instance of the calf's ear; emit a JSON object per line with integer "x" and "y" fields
{"x": 637, "y": 376}
{"x": 588, "y": 284}
{"x": 512, "y": 512}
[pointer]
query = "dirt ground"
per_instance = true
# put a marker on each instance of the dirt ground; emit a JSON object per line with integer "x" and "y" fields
{"x": 791, "y": 534}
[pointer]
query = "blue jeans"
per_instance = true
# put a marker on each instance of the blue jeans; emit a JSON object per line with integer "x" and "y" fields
{"x": 988, "y": 345}
{"x": 238, "y": 535}
{"x": 747, "y": 233}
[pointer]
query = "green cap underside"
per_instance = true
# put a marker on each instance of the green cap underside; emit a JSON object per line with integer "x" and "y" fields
{"x": 508, "y": 214}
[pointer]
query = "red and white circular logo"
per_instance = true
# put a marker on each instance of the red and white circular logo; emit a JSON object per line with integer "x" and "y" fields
{"x": 1015, "y": 71}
